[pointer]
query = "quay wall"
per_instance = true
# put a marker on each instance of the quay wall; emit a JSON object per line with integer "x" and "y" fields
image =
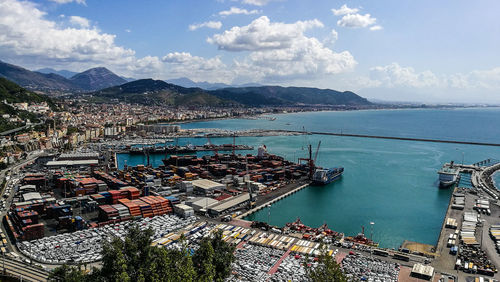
{"x": 443, "y": 225}
{"x": 272, "y": 201}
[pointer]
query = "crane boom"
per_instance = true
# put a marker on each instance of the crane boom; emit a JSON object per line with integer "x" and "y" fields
{"x": 317, "y": 151}
{"x": 216, "y": 153}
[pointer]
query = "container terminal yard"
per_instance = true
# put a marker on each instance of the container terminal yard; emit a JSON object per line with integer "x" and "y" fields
{"x": 59, "y": 208}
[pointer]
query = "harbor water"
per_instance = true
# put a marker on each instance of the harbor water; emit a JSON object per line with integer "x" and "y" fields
{"x": 392, "y": 183}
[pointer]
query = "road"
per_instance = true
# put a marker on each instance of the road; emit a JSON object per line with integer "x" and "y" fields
{"x": 7, "y": 132}
{"x": 10, "y": 264}
{"x": 22, "y": 270}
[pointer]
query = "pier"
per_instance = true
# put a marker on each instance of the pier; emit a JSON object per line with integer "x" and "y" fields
{"x": 394, "y": 138}
{"x": 272, "y": 201}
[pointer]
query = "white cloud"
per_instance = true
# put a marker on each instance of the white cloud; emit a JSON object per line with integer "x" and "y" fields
{"x": 281, "y": 51}
{"x": 183, "y": 64}
{"x": 487, "y": 79}
{"x": 394, "y": 75}
{"x": 69, "y": 1}
{"x": 395, "y": 82}
{"x": 238, "y": 11}
{"x": 344, "y": 10}
{"x": 334, "y": 35}
{"x": 210, "y": 24}
{"x": 256, "y": 2}
{"x": 356, "y": 20}
{"x": 27, "y": 34}
{"x": 128, "y": 30}
{"x": 307, "y": 57}
{"x": 79, "y": 21}
{"x": 261, "y": 34}
{"x": 352, "y": 19}
{"x": 331, "y": 38}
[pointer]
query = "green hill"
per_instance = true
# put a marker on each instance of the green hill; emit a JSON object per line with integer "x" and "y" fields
{"x": 286, "y": 96}
{"x": 157, "y": 92}
{"x": 13, "y": 93}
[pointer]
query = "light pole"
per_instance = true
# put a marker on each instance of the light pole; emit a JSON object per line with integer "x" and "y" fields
{"x": 371, "y": 229}
{"x": 268, "y": 214}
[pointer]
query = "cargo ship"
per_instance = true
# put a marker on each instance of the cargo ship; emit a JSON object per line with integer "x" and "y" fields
{"x": 448, "y": 175}
{"x": 323, "y": 176}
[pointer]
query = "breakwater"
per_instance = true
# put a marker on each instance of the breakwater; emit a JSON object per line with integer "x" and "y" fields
{"x": 395, "y": 138}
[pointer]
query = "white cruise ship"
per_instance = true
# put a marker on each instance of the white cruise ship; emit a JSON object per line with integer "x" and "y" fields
{"x": 448, "y": 175}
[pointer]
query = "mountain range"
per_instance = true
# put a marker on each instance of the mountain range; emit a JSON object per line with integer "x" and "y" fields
{"x": 186, "y": 82}
{"x": 103, "y": 85}
{"x": 158, "y": 92}
{"x": 89, "y": 80}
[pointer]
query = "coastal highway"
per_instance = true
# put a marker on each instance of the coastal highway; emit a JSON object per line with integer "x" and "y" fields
{"x": 22, "y": 271}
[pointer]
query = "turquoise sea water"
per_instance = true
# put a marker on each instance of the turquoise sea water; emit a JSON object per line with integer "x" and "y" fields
{"x": 392, "y": 183}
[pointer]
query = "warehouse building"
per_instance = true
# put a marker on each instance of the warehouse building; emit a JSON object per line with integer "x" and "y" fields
{"x": 201, "y": 204}
{"x": 183, "y": 210}
{"x": 422, "y": 271}
{"x": 206, "y": 187}
{"x": 229, "y": 205}
{"x": 78, "y": 156}
{"x": 78, "y": 163}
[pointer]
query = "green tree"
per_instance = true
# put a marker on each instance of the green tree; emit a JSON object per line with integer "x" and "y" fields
{"x": 67, "y": 274}
{"x": 134, "y": 259}
{"x": 327, "y": 269}
{"x": 223, "y": 256}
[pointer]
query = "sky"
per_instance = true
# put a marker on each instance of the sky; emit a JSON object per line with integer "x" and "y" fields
{"x": 419, "y": 51}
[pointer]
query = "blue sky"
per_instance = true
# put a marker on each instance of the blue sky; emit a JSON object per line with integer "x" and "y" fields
{"x": 430, "y": 51}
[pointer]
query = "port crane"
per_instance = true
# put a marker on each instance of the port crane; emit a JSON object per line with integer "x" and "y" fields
{"x": 311, "y": 161}
{"x": 212, "y": 146}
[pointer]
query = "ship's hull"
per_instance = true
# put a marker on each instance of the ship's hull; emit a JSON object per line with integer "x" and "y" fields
{"x": 448, "y": 183}
{"x": 327, "y": 181}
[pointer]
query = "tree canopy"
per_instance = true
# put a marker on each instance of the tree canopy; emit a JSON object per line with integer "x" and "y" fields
{"x": 326, "y": 269}
{"x": 134, "y": 259}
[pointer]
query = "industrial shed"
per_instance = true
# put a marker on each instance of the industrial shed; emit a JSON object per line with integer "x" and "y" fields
{"x": 58, "y": 164}
{"x": 422, "y": 271}
{"x": 206, "y": 187}
{"x": 226, "y": 206}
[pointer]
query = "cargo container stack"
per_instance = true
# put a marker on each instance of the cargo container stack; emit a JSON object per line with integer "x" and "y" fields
{"x": 133, "y": 208}
{"x": 107, "y": 197}
{"x": 495, "y": 235}
{"x": 115, "y": 196}
{"x": 31, "y": 232}
{"x": 173, "y": 200}
{"x": 166, "y": 205}
{"x": 130, "y": 193}
{"x": 107, "y": 212}
{"x": 155, "y": 205}
{"x": 146, "y": 209}
{"x": 123, "y": 212}
{"x": 99, "y": 198}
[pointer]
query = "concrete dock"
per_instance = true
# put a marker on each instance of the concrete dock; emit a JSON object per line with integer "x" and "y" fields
{"x": 272, "y": 201}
